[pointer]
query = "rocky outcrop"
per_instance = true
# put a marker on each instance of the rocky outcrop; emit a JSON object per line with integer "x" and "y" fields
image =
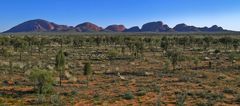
{"x": 185, "y": 28}
{"x": 214, "y": 28}
{"x": 133, "y": 29}
{"x": 87, "y": 27}
{"x": 155, "y": 27}
{"x": 115, "y": 28}
{"x": 38, "y": 25}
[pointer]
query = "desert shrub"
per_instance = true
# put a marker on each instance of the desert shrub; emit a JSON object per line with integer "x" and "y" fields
{"x": 196, "y": 61}
{"x": 209, "y": 96}
{"x": 87, "y": 69}
{"x": 156, "y": 88}
{"x": 74, "y": 92}
{"x": 42, "y": 79}
{"x": 228, "y": 90}
{"x": 166, "y": 66}
{"x": 181, "y": 97}
{"x": 96, "y": 96}
{"x": 234, "y": 56}
{"x": 184, "y": 78}
{"x": 174, "y": 57}
{"x": 141, "y": 92}
{"x": 128, "y": 96}
{"x": 112, "y": 54}
{"x": 56, "y": 100}
{"x": 41, "y": 99}
{"x": 221, "y": 77}
{"x": 158, "y": 102}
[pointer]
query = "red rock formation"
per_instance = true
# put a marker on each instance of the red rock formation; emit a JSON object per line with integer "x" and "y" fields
{"x": 116, "y": 28}
{"x": 38, "y": 25}
{"x": 87, "y": 27}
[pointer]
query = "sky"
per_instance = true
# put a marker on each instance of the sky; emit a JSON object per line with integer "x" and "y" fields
{"x": 225, "y": 13}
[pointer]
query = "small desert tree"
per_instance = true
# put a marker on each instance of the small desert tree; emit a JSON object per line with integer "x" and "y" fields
{"x": 181, "y": 98}
{"x": 226, "y": 41}
{"x": 196, "y": 61}
{"x": 173, "y": 56}
{"x": 235, "y": 44}
{"x": 164, "y": 44}
{"x": 112, "y": 54}
{"x": 60, "y": 65}
{"x": 7, "y": 54}
{"x": 20, "y": 45}
{"x": 29, "y": 41}
{"x": 123, "y": 50}
{"x": 232, "y": 57}
{"x": 183, "y": 41}
{"x": 42, "y": 79}
{"x": 87, "y": 70}
{"x": 207, "y": 42}
{"x": 139, "y": 48}
{"x": 98, "y": 41}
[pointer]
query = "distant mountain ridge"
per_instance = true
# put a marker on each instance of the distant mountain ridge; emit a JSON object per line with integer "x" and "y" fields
{"x": 40, "y": 25}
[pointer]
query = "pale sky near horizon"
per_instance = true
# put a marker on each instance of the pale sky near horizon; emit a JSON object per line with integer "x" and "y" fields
{"x": 225, "y": 13}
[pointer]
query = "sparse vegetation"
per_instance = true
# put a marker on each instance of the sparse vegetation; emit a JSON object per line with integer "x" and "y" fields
{"x": 120, "y": 68}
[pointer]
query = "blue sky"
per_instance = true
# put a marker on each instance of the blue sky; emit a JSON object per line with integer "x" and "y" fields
{"x": 225, "y": 13}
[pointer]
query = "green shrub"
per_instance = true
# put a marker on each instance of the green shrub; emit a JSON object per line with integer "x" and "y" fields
{"x": 166, "y": 66}
{"x": 87, "y": 69}
{"x": 141, "y": 92}
{"x": 56, "y": 100}
{"x": 209, "y": 96}
{"x": 96, "y": 96}
{"x": 112, "y": 54}
{"x": 42, "y": 79}
{"x": 156, "y": 88}
{"x": 41, "y": 99}
{"x": 181, "y": 97}
{"x": 74, "y": 92}
{"x": 60, "y": 64}
{"x": 174, "y": 57}
{"x": 128, "y": 96}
